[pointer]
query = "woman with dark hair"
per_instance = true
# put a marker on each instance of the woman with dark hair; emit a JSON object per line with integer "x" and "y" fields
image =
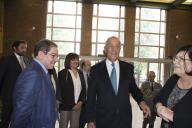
{"x": 174, "y": 102}
{"x": 70, "y": 92}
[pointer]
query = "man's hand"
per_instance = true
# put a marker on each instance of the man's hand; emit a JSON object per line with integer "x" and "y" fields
{"x": 91, "y": 125}
{"x": 145, "y": 108}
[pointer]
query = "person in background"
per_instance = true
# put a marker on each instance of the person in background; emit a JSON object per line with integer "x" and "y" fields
{"x": 34, "y": 97}
{"x": 85, "y": 66}
{"x": 10, "y": 68}
{"x": 150, "y": 88}
{"x": 173, "y": 103}
{"x": 71, "y": 91}
{"x": 110, "y": 85}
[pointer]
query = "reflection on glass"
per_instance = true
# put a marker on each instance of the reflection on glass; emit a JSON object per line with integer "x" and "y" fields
{"x": 64, "y": 21}
{"x": 150, "y": 14}
{"x": 49, "y": 19}
{"x": 121, "y": 37}
{"x": 66, "y": 27}
{"x": 63, "y": 34}
{"x": 50, "y": 6}
{"x": 136, "y": 38}
{"x": 64, "y": 7}
{"x": 108, "y": 24}
{"x": 64, "y": 48}
{"x": 162, "y": 27}
{"x": 136, "y": 51}
{"x": 148, "y": 52}
{"x": 162, "y": 40}
{"x": 152, "y": 27}
{"x": 48, "y": 33}
{"x": 137, "y": 26}
{"x": 162, "y": 53}
{"x": 112, "y": 10}
{"x": 163, "y": 15}
{"x": 93, "y": 52}
{"x": 104, "y": 35}
{"x": 149, "y": 39}
{"x": 122, "y": 24}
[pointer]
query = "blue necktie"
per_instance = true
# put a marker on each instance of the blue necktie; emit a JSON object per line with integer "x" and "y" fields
{"x": 113, "y": 78}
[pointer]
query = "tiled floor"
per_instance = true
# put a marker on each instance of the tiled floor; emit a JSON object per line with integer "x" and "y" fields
{"x": 137, "y": 117}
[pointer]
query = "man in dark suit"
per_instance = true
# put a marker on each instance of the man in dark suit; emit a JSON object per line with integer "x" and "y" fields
{"x": 111, "y": 82}
{"x": 10, "y": 68}
{"x": 85, "y": 66}
{"x": 34, "y": 97}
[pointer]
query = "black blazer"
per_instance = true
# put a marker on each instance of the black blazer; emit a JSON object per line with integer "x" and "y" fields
{"x": 9, "y": 72}
{"x": 65, "y": 90}
{"x": 106, "y": 108}
{"x": 182, "y": 110}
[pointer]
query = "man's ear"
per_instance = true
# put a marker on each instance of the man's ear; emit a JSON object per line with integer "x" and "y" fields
{"x": 41, "y": 54}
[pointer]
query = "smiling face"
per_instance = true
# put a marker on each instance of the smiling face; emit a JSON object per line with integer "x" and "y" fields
{"x": 49, "y": 59}
{"x": 182, "y": 63}
{"x": 112, "y": 48}
{"x": 74, "y": 63}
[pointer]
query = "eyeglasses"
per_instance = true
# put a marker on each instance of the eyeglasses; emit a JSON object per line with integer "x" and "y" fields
{"x": 54, "y": 56}
{"x": 178, "y": 58}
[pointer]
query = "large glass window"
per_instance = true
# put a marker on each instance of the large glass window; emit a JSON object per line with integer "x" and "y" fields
{"x": 64, "y": 25}
{"x": 108, "y": 20}
{"x": 150, "y": 26}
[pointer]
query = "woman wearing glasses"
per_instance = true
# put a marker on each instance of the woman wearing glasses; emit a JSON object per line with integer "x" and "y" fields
{"x": 174, "y": 102}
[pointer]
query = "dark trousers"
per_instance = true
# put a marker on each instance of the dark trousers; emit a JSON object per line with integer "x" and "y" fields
{"x": 82, "y": 119}
{"x": 6, "y": 114}
{"x": 150, "y": 121}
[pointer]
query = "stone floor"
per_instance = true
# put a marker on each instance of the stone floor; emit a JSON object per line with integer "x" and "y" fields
{"x": 137, "y": 117}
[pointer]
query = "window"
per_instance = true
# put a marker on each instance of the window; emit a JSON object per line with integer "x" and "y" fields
{"x": 105, "y": 24}
{"x": 150, "y": 26}
{"x": 64, "y": 25}
{"x": 150, "y": 33}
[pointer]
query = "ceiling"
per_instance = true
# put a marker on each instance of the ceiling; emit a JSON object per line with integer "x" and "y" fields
{"x": 166, "y": 4}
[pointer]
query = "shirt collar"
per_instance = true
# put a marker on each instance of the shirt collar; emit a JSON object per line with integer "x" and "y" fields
{"x": 45, "y": 69}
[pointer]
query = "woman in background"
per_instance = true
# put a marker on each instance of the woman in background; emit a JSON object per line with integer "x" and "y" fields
{"x": 71, "y": 92}
{"x": 174, "y": 102}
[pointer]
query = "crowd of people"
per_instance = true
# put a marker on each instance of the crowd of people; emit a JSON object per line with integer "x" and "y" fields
{"x": 35, "y": 96}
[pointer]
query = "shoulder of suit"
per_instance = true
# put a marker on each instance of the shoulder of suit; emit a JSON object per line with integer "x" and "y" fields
{"x": 126, "y": 64}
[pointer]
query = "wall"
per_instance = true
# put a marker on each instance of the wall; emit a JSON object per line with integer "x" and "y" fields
{"x": 179, "y": 30}
{"x": 20, "y": 17}
{"x": 1, "y": 26}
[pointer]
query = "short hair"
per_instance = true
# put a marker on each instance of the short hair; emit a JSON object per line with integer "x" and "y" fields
{"x": 187, "y": 49}
{"x": 43, "y": 45}
{"x": 17, "y": 43}
{"x": 112, "y": 38}
{"x": 68, "y": 58}
{"x": 81, "y": 64}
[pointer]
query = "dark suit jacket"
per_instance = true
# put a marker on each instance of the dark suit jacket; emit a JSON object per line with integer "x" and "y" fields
{"x": 9, "y": 72}
{"x": 65, "y": 90}
{"x": 182, "y": 110}
{"x": 106, "y": 108}
{"x": 34, "y": 99}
